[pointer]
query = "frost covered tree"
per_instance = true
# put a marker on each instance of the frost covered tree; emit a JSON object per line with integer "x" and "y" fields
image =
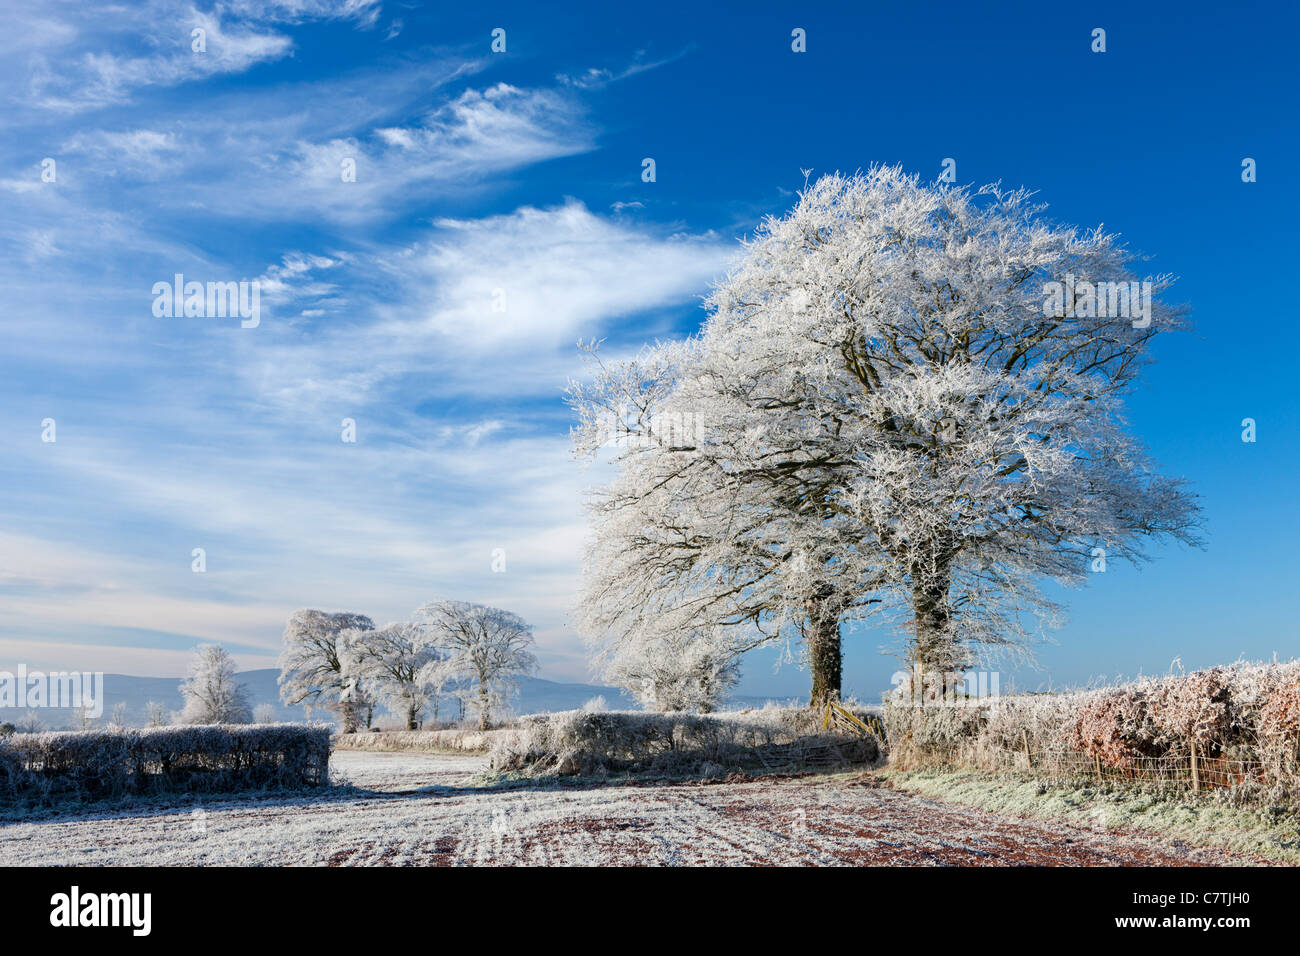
{"x": 678, "y": 670}
{"x": 484, "y": 650}
{"x": 391, "y": 663}
{"x": 435, "y": 683}
{"x": 211, "y": 691}
{"x": 312, "y": 663}
{"x": 264, "y": 713}
{"x": 156, "y": 714}
{"x": 907, "y": 400}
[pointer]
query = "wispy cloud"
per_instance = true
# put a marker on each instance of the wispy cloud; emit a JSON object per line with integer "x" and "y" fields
{"x": 478, "y": 297}
{"x": 368, "y": 171}
{"x": 597, "y": 77}
{"x": 142, "y": 151}
{"x": 81, "y": 57}
{"x": 477, "y": 135}
{"x": 418, "y": 302}
{"x": 245, "y": 458}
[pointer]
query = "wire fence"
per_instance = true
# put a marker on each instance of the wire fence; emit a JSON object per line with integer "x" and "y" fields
{"x": 1188, "y": 771}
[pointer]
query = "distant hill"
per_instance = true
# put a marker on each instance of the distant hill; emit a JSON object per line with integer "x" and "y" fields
{"x": 536, "y": 696}
{"x": 135, "y": 692}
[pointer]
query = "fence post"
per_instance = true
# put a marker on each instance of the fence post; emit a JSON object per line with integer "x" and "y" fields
{"x": 1099, "y": 767}
{"x": 1029, "y": 757}
{"x": 1196, "y": 778}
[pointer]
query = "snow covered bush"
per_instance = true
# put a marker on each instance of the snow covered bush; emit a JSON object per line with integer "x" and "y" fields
{"x": 1279, "y": 728}
{"x": 1199, "y": 707}
{"x": 48, "y": 767}
{"x": 1115, "y": 726}
{"x": 669, "y": 744}
{"x": 930, "y": 734}
{"x": 1242, "y": 722}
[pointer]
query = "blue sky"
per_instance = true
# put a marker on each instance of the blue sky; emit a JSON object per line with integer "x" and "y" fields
{"x": 521, "y": 172}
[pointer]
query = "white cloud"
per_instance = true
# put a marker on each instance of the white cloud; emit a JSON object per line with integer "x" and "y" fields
{"x": 56, "y": 587}
{"x": 596, "y": 77}
{"x": 244, "y": 457}
{"x": 554, "y": 272}
{"x": 289, "y": 157}
{"x": 559, "y": 273}
{"x": 478, "y": 134}
{"x": 141, "y": 150}
{"x": 364, "y": 12}
{"x": 87, "y": 56}
{"x": 300, "y": 521}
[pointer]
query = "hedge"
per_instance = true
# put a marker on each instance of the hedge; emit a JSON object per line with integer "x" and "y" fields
{"x": 594, "y": 744}
{"x": 1229, "y": 726}
{"x": 88, "y": 765}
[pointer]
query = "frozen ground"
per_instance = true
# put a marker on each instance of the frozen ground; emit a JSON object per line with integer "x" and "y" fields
{"x": 426, "y": 810}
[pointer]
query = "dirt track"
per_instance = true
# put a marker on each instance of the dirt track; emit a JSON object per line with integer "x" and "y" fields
{"x": 424, "y": 810}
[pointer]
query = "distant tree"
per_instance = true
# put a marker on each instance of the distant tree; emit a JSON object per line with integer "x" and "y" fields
{"x": 118, "y": 720}
{"x": 7, "y": 728}
{"x": 264, "y": 714}
{"x": 483, "y": 649}
{"x": 30, "y": 723}
{"x": 390, "y": 661}
{"x": 679, "y": 669}
{"x": 312, "y": 663}
{"x": 211, "y": 692}
{"x": 437, "y": 683}
{"x": 156, "y": 713}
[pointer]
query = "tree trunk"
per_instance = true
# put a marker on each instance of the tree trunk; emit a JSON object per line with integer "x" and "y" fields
{"x": 825, "y": 653}
{"x": 931, "y": 620}
{"x": 483, "y": 721}
{"x": 349, "y": 716}
{"x": 937, "y": 660}
{"x": 412, "y": 722}
{"x": 827, "y": 664}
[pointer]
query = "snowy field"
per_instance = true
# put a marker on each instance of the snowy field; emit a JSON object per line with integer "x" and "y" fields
{"x": 424, "y": 810}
